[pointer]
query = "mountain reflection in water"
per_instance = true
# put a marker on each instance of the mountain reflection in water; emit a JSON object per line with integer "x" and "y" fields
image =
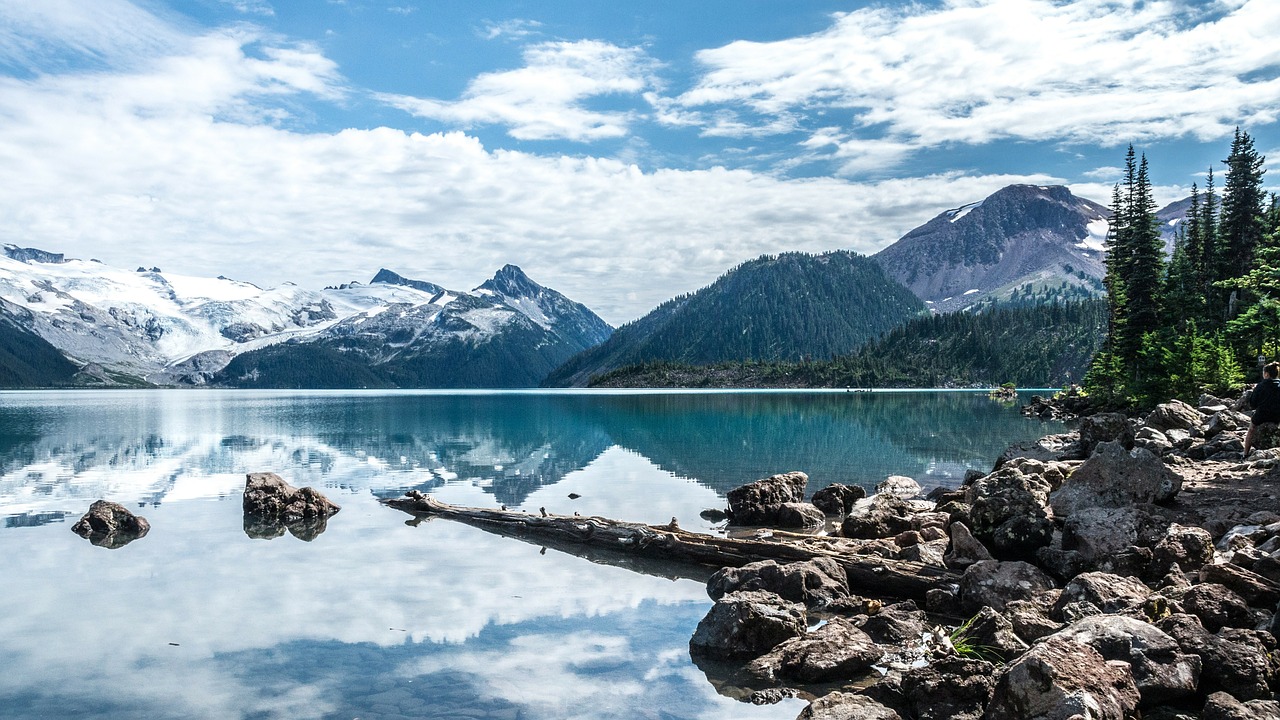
{"x": 379, "y": 618}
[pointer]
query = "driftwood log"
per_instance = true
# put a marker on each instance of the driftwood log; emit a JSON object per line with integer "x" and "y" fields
{"x": 598, "y": 538}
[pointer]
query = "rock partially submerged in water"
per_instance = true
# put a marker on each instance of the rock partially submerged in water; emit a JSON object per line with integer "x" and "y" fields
{"x": 272, "y": 506}
{"x": 110, "y": 525}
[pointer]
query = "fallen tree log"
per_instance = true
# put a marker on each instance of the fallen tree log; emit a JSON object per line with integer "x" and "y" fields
{"x": 869, "y": 575}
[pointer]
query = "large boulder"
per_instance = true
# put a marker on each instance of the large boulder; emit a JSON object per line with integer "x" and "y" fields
{"x": 1109, "y": 593}
{"x": 949, "y": 689}
{"x": 1059, "y": 679}
{"x": 747, "y": 624}
{"x": 837, "y": 499}
{"x": 271, "y": 505}
{"x": 804, "y": 516}
{"x": 815, "y": 583}
{"x": 994, "y": 584}
{"x": 884, "y": 516}
{"x": 836, "y": 652}
{"x": 896, "y": 624}
{"x": 1104, "y": 427}
{"x": 1173, "y": 415}
{"x": 1217, "y": 606}
{"x": 964, "y": 549}
{"x": 1238, "y": 665}
{"x": 758, "y": 503}
{"x": 1007, "y": 512}
{"x": 1188, "y": 547}
{"x": 1114, "y": 477}
{"x": 1161, "y": 670}
{"x": 900, "y": 485}
{"x": 847, "y": 706}
{"x": 110, "y": 525}
{"x": 1221, "y": 706}
{"x": 1253, "y": 588}
{"x": 1098, "y": 533}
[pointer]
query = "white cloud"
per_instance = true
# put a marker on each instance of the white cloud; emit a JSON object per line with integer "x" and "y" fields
{"x": 110, "y": 32}
{"x": 975, "y": 71}
{"x": 402, "y": 9}
{"x": 252, "y": 7}
{"x": 515, "y": 29}
{"x": 544, "y": 99}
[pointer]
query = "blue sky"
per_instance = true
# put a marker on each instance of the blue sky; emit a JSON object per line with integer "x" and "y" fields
{"x": 622, "y": 153}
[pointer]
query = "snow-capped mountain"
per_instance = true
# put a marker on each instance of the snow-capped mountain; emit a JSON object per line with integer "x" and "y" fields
{"x": 508, "y": 332}
{"x": 1023, "y": 239}
{"x": 176, "y": 329}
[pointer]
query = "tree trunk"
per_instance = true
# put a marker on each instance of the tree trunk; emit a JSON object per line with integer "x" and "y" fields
{"x": 621, "y": 543}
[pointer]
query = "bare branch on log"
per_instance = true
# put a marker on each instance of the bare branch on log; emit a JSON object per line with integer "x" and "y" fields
{"x": 868, "y": 574}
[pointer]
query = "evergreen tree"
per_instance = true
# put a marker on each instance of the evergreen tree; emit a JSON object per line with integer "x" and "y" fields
{"x": 1242, "y": 207}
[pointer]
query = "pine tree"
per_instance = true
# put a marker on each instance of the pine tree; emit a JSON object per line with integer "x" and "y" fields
{"x": 1242, "y": 207}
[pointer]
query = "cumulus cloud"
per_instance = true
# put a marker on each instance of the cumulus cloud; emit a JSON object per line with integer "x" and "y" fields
{"x": 545, "y": 98}
{"x": 976, "y": 71}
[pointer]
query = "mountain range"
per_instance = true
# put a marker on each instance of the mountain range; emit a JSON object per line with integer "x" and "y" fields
{"x": 151, "y": 327}
{"x": 80, "y": 322}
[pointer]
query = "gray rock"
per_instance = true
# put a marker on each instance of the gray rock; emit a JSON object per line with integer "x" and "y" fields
{"x": 757, "y": 503}
{"x": 837, "y": 499}
{"x": 1008, "y": 512}
{"x": 747, "y": 624}
{"x": 847, "y": 706}
{"x": 1161, "y": 670}
{"x": 799, "y": 516}
{"x": 1185, "y": 546}
{"x": 836, "y": 652}
{"x": 964, "y": 549}
{"x": 1237, "y": 665}
{"x": 994, "y": 584}
{"x": 1029, "y": 621}
{"x": 900, "y": 485}
{"x": 1173, "y": 415}
{"x": 1113, "y": 477}
{"x": 1226, "y": 420}
{"x": 895, "y": 624}
{"x": 1217, "y": 606}
{"x": 885, "y": 516}
{"x": 1255, "y": 589}
{"x": 267, "y": 495}
{"x": 815, "y": 583}
{"x": 1060, "y": 679}
{"x": 1100, "y": 532}
{"x": 272, "y": 505}
{"x": 991, "y": 636}
{"x": 1109, "y": 593}
{"x": 1104, "y": 427}
{"x": 950, "y": 689}
{"x": 1221, "y": 706}
{"x": 110, "y": 525}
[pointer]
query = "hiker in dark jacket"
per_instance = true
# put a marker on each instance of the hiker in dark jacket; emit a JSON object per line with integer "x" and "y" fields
{"x": 1265, "y": 400}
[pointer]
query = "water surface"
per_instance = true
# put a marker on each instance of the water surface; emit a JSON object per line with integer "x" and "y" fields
{"x": 378, "y": 618}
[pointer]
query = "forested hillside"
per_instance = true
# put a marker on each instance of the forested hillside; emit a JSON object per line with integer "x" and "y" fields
{"x": 27, "y": 360}
{"x": 1035, "y": 345}
{"x": 774, "y": 308}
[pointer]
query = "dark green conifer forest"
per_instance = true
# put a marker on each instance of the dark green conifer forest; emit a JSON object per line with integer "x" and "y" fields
{"x": 1201, "y": 321}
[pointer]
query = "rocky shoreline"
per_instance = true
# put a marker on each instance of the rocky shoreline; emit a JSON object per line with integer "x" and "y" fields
{"x": 1129, "y": 569}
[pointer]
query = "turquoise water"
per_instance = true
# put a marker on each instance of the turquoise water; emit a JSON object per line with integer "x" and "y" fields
{"x": 380, "y": 618}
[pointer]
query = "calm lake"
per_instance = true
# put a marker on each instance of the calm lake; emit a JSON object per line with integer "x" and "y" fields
{"x": 379, "y": 618}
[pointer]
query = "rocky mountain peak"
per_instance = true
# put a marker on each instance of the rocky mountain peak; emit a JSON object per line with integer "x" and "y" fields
{"x": 1029, "y": 240}
{"x": 392, "y": 278}
{"x": 30, "y": 255}
{"x": 512, "y": 282}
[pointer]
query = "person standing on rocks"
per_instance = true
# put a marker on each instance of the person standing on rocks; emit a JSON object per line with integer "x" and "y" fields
{"x": 1265, "y": 400}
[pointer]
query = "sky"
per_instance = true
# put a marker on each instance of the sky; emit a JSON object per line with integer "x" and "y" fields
{"x": 619, "y": 152}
